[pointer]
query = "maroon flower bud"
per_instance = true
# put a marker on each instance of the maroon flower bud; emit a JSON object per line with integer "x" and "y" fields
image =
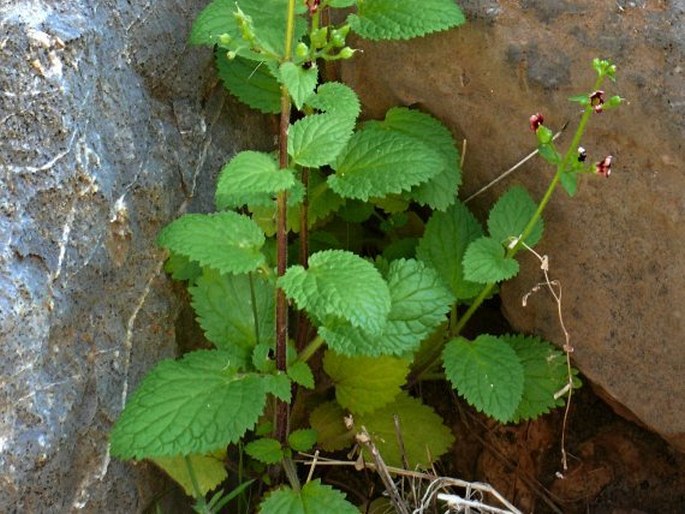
{"x": 597, "y": 100}
{"x": 535, "y": 121}
{"x": 582, "y": 154}
{"x": 312, "y": 5}
{"x": 604, "y": 167}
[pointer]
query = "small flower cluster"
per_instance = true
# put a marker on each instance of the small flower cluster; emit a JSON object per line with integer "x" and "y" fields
{"x": 602, "y": 167}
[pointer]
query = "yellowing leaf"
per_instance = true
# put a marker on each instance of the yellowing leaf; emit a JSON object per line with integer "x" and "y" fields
{"x": 328, "y": 421}
{"x": 209, "y": 470}
{"x": 424, "y": 435}
{"x": 363, "y": 384}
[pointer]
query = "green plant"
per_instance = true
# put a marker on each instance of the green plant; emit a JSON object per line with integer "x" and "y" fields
{"x": 381, "y": 293}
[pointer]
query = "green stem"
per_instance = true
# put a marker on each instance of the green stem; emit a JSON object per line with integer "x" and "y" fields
{"x": 291, "y": 473}
{"x": 197, "y": 493}
{"x": 456, "y": 328}
{"x": 310, "y": 349}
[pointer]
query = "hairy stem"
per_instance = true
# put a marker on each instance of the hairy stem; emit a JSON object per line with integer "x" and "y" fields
{"x": 282, "y": 233}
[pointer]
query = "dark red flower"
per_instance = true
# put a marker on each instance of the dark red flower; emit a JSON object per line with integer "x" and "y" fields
{"x": 597, "y": 100}
{"x": 604, "y": 167}
{"x": 312, "y": 5}
{"x": 535, "y": 121}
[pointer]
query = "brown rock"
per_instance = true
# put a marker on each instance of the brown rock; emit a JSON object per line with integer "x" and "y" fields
{"x": 616, "y": 246}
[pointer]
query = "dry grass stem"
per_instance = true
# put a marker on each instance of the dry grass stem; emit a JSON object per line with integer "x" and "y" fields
{"x": 554, "y": 287}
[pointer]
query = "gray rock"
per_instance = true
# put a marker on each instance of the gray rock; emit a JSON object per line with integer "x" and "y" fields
{"x": 111, "y": 127}
{"x": 617, "y": 246}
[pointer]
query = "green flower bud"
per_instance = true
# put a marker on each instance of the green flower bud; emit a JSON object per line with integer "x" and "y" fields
{"x": 301, "y": 50}
{"x": 230, "y": 55}
{"x": 346, "y": 52}
{"x": 614, "y": 101}
{"x": 337, "y": 39}
{"x": 319, "y": 37}
{"x": 225, "y": 39}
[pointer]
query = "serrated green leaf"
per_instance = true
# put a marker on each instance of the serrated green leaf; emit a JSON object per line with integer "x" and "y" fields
{"x": 302, "y": 440}
{"x": 265, "y": 450}
{"x": 313, "y": 498}
{"x": 485, "y": 261}
{"x": 544, "y": 374}
{"x": 194, "y": 405}
{"x": 250, "y": 82}
{"x": 181, "y": 267}
{"x": 279, "y": 385}
{"x": 444, "y": 242}
{"x": 389, "y": 19}
{"x": 225, "y": 241}
{"x": 419, "y": 304}
{"x": 378, "y": 162}
{"x": 424, "y": 435}
{"x": 251, "y": 178}
{"x": 209, "y": 470}
{"x": 363, "y": 384}
{"x": 316, "y": 140}
{"x": 300, "y": 82}
{"x": 301, "y": 374}
{"x": 487, "y": 372}
{"x": 328, "y": 419}
{"x": 441, "y": 191}
{"x": 340, "y": 284}
{"x": 336, "y": 98}
{"x": 511, "y": 214}
{"x": 223, "y": 304}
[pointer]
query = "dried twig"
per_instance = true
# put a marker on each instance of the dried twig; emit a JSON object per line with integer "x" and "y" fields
{"x": 437, "y": 486}
{"x": 554, "y": 287}
{"x": 364, "y": 439}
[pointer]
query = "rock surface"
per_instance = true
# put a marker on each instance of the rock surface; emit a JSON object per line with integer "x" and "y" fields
{"x": 616, "y": 246}
{"x": 111, "y": 127}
